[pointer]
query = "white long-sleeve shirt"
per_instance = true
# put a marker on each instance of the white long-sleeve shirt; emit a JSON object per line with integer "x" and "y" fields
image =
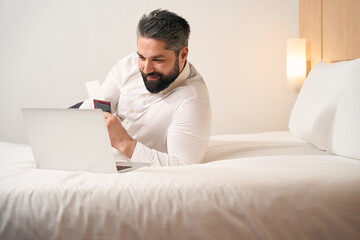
{"x": 171, "y": 127}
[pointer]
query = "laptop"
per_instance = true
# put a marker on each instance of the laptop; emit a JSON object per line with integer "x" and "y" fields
{"x": 72, "y": 139}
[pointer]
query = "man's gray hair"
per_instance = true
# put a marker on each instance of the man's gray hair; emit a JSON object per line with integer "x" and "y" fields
{"x": 165, "y": 26}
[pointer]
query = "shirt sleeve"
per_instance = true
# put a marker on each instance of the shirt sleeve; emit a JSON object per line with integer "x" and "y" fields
{"x": 109, "y": 88}
{"x": 187, "y": 137}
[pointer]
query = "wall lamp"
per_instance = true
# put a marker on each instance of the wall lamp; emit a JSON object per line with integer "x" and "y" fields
{"x": 296, "y": 63}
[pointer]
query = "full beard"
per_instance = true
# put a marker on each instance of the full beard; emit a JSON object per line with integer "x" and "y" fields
{"x": 163, "y": 81}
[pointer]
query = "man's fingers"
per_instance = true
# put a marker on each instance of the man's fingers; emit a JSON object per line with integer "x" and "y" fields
{"x": 110, "y": 119}
{"x": 107, "y": 115}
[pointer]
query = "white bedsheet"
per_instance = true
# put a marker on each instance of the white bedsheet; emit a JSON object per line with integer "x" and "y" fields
{"x": 252, "y": 186}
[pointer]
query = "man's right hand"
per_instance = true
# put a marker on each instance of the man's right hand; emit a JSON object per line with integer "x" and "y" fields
{"x": 119, "y": 137}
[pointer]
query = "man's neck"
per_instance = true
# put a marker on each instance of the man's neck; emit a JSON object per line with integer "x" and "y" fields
{"x": 183, "y": 66}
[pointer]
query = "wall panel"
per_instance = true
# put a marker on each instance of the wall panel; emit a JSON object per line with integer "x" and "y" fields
{"x": 341, "y": 30}
{"x": 332, "y": 29}
{"x": 310, "y": 28}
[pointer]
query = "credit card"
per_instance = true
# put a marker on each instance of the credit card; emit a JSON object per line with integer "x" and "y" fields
{"x": 103, "y": 105}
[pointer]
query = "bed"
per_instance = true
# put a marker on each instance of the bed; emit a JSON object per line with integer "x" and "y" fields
{"x": 298, "y": 184}
{"x": 250, "y": 186}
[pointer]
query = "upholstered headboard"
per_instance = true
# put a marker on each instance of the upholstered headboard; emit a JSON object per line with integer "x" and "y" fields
{"x": 332, "y": 29}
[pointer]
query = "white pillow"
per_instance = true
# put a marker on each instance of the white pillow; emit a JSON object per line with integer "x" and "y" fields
{"x": 315, "y": 107}
{"x": 344, "y": 137}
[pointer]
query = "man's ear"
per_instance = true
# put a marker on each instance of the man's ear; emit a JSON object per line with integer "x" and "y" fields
{"x": 184, "y": 53}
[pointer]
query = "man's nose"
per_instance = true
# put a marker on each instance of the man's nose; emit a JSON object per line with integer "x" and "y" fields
{"x": 148, "y": 67}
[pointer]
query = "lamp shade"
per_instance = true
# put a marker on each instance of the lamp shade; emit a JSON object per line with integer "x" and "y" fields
{"x": 296, "y": 63}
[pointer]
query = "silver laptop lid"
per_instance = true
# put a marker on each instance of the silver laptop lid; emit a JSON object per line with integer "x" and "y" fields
{"x": 69, "y": 139}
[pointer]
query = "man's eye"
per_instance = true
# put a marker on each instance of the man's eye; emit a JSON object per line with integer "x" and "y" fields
{"x": 158, "y": 60}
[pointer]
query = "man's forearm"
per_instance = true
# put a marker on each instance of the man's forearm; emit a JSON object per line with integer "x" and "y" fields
{"x": 127, "y": 147}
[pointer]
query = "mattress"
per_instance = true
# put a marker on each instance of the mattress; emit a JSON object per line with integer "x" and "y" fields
{"x": 250, "y": 186}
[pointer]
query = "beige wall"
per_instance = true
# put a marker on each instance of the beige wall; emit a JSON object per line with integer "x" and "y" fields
{"x": 50, "y": 48}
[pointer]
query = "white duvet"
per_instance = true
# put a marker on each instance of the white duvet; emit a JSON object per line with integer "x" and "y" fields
{"x": 254, "y": 186}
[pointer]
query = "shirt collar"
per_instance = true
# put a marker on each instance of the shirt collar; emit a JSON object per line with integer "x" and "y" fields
{"x": 185, "y": 73}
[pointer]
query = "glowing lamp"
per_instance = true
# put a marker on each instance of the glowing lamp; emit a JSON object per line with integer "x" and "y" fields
{"x": 296, "y": 63}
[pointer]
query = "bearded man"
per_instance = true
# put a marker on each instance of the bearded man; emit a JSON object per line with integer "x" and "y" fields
{"x": 160, "y": 103}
